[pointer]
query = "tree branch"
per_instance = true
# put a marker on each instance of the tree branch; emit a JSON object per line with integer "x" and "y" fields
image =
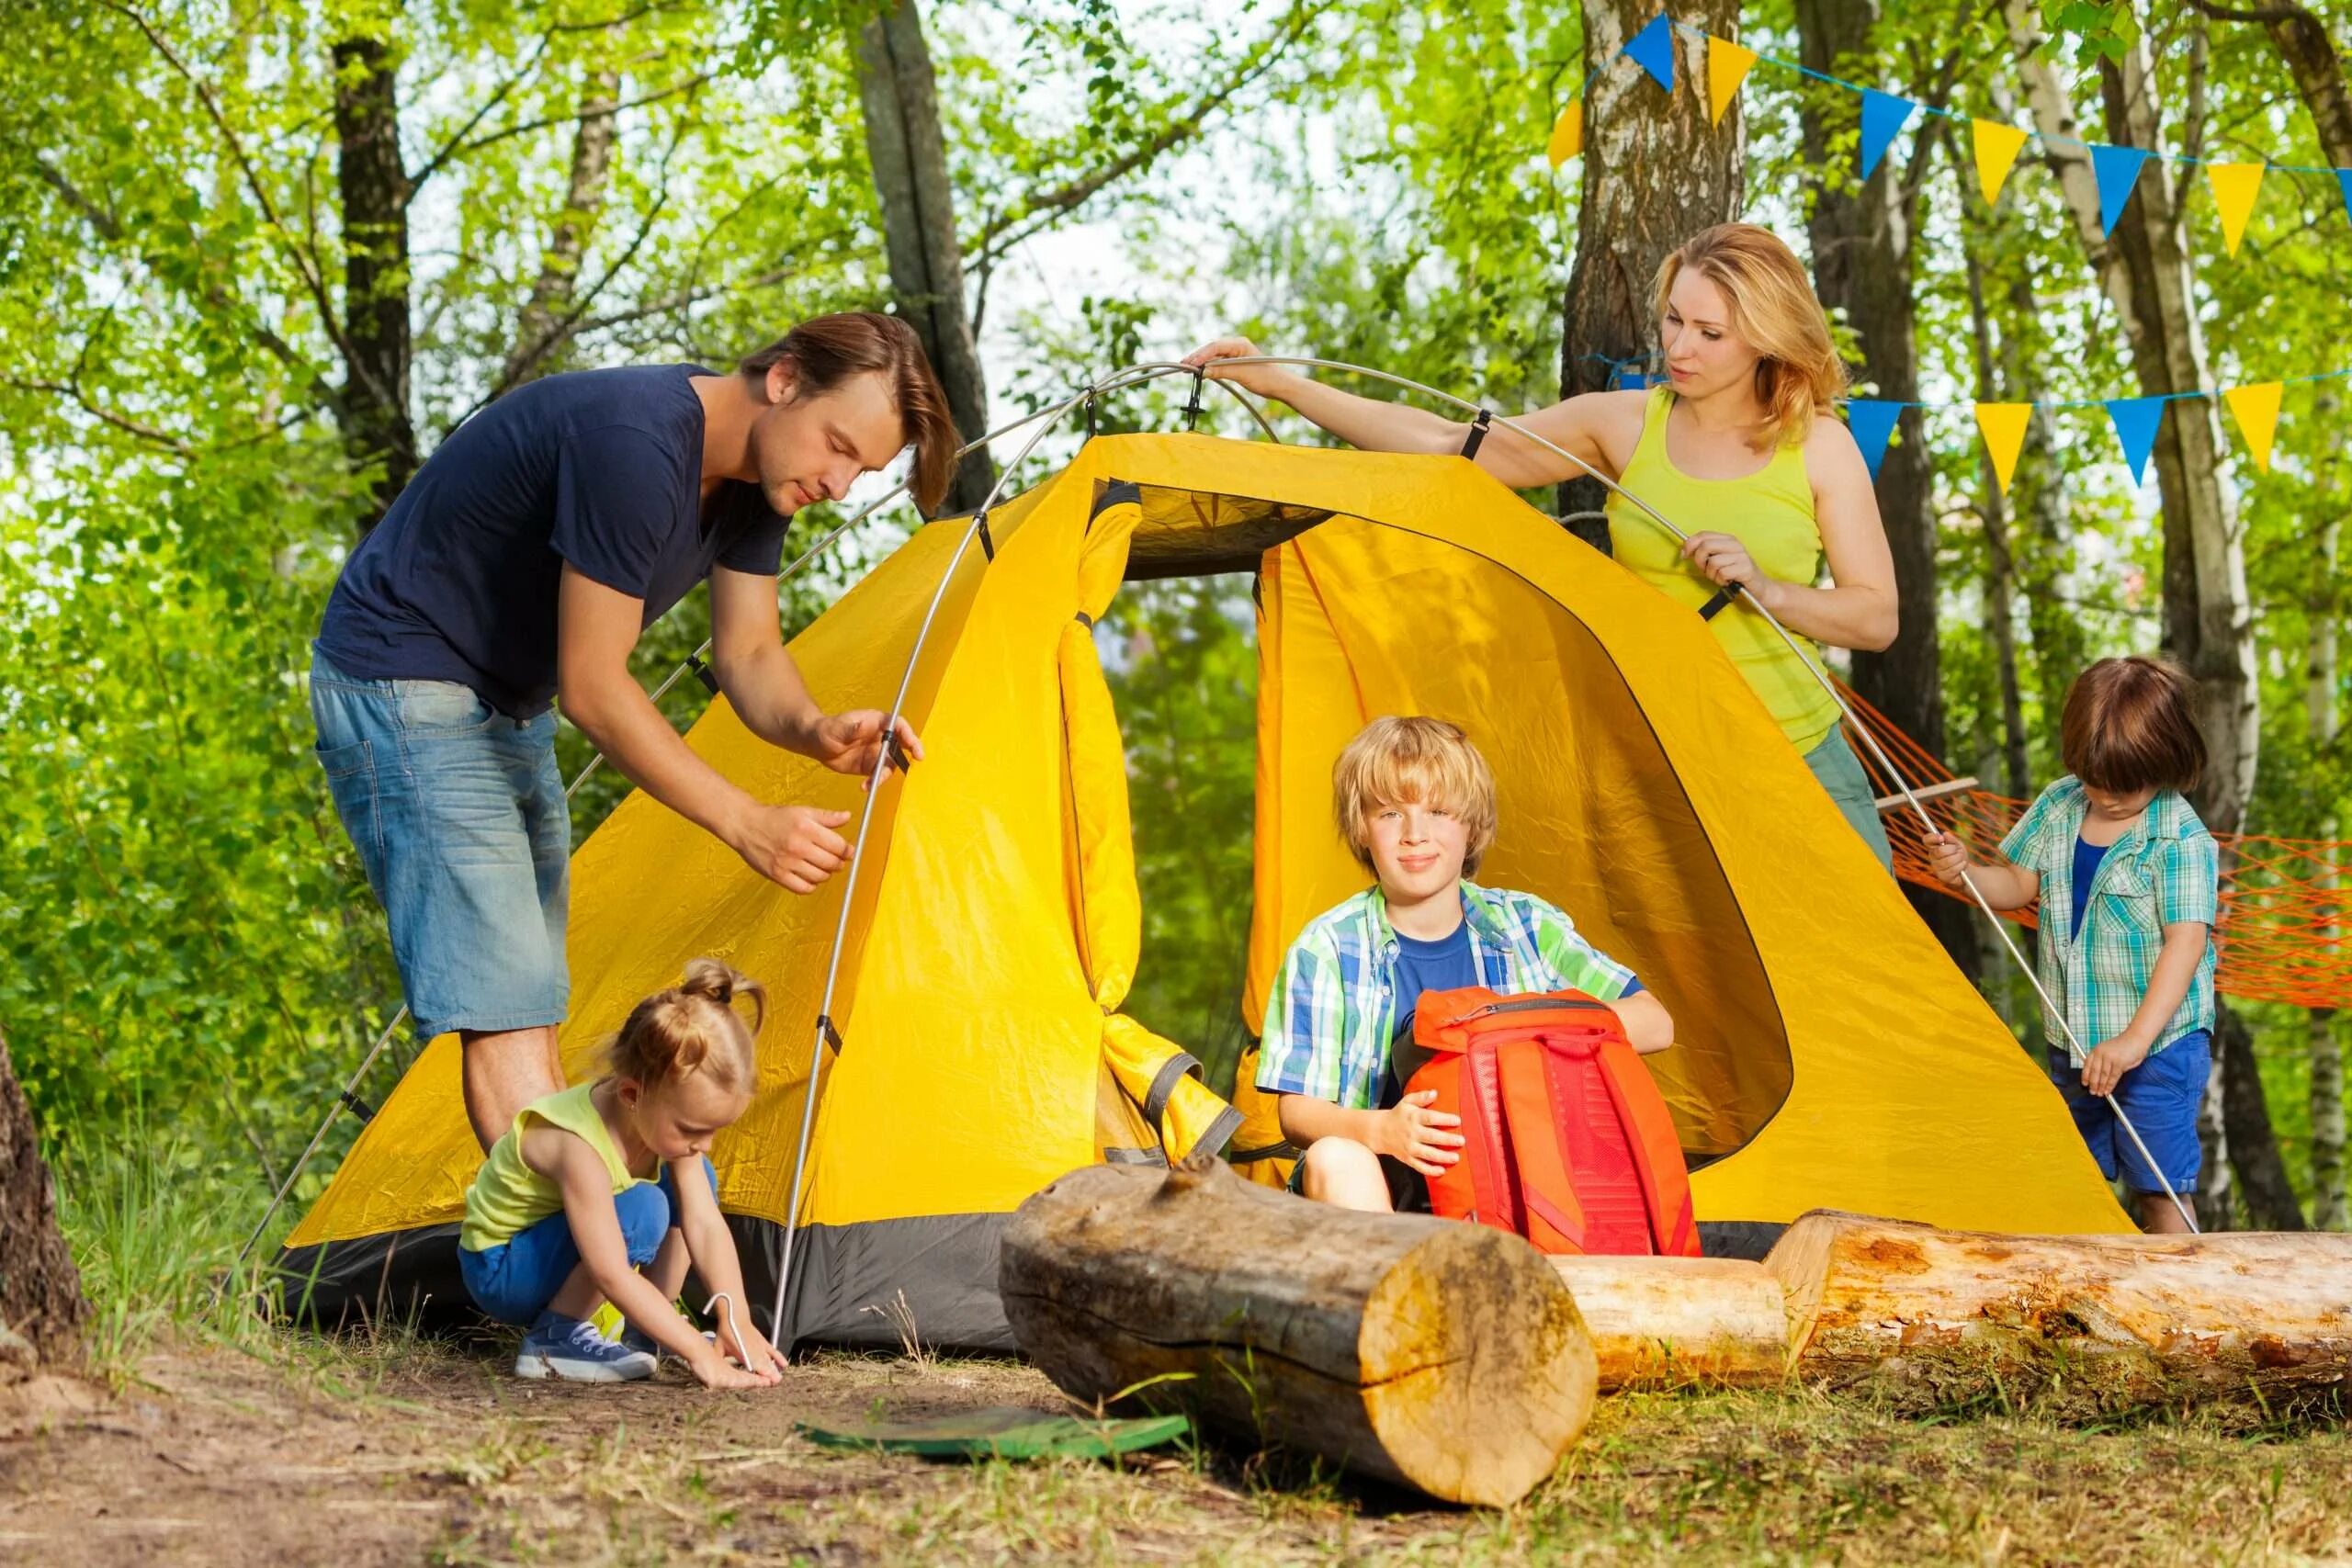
{"x": 1000, "y": 234}
{"x": 450, "y": 148}
{"x": 503, "y": 133}
{"x": 2263, "y": 14}
{"x": 73, "y": 389}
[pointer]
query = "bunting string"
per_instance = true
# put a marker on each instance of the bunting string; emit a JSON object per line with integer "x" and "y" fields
{"x": 1994, "y": 145}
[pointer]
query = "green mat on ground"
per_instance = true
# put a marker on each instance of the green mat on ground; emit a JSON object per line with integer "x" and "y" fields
{"x": 1002, "y": 1432}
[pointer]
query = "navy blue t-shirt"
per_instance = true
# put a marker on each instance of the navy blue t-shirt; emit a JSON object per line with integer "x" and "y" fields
{"x": 2087, "y": 857}
{"x": 601, "y": 468}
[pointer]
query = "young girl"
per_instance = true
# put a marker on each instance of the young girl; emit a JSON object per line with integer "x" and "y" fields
{"x": 2130, "y": 882}
{"x": 567, "y": 1212}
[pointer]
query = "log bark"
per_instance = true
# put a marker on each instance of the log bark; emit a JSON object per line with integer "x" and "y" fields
{"x": 373, "y": 186}
{"x": 899, "y": 97}
{"x": 1655, "y": 174}
{"x": 1426, "y": 1353}
{"x": 1672, "y": 1322}
{"x": 41, "y": 1309}
{"x": 2223, "y": 1311}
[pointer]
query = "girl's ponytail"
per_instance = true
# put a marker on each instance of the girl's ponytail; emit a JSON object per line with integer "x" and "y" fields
{"x": 693, "y": 1027}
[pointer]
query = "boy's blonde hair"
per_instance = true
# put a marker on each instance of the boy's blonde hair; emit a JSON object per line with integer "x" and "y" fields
{"x": 693, "y": 1027}
{"x": 1403, "y": 762}
{"x": 1773, "y": 306}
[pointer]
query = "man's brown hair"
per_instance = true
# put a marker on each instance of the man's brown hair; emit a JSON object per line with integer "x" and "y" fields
{"x": 829, "y": 350}
{"x": 2130, "y": 725}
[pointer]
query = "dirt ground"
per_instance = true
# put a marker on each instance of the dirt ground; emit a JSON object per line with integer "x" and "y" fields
{"x": 423, "y": 1453}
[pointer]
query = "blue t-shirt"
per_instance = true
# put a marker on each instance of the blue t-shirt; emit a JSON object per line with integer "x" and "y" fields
{"x": 1446, "y": 964}
{"x": 601, "y": 468}
{"x": 2087, "y": 857}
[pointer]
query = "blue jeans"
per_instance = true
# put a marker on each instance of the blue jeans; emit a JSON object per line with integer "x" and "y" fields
{"x": 2161, "y": 1097}
{"x": 458, "y": 813}
{"x": 514, "y": 1280}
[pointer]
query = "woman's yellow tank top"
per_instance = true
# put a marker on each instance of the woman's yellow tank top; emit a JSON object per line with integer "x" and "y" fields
{"x": 508, "y": 1197}
{"x": 1770, "y": 511}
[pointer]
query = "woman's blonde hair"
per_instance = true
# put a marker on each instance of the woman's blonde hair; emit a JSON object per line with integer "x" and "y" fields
{"x": 1401, "y": 762}
{"x": 1773, "y": 306}
{"x": 693, "y": 1027}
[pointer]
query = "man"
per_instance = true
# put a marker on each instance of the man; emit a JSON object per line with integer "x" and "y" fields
{"x": 519, "y": 566}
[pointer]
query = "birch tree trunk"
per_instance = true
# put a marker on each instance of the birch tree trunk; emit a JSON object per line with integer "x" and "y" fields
{"x": 373, "y": 186}
{"x": 542, "y": 330}
{"x": 906, "y": 148}
{"x": 1655, "y": 174}
{"x": 2000, "y": 585}
{"x": 2330, "y": 1210}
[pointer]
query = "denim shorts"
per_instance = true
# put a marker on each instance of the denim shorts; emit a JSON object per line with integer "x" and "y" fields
{"x": 514, "y": 1280}
{"x": 2161, "y": 1097}
{"x": 1840, "y": 773}
{"x": 458, "y": 813}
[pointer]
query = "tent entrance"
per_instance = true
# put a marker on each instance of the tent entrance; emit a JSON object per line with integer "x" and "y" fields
{"x": 1354, "y": 618}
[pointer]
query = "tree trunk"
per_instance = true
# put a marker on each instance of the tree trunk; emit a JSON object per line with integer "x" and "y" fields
{"x": 907, "y": 149}
{"x": 41, "y": 1309}
{"x": 2255, "y": 1160}
{"x": 2000, "y": 572}
{"x": 1424, "y": 1352}
{"x": 2224, "y": 1312}
{"x": 1862, "y": 238}
{"x": 2319, "y": 77}
{"x": 1655, "y": 174}
{"x": 1672, "y": 1322}
{"x": 542, "y": 327}
{"x": 2330, "y": 1210}
{"x": 374, "y": 189}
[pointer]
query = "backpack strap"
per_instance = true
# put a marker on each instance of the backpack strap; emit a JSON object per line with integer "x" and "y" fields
{"x": 1487, "y": 1141}
{"x": 1554, "y": 1218}
{"x": 1657, "y": 1151}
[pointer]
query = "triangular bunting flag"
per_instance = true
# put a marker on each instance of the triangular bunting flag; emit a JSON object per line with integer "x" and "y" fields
{"x": 1728, "y": 67}
{"x": 2136, "y": 420}
{"x": 2344, "y": 178}
{"x": 1653, "y": 51}
{"x": 2256, "y": 409}
{"x": 2004, "y": 428}
{"x": 1872, "y": 421}
{"x": 1567, "y": 133}
{"x": 2234, "y": 188}
{"x": 2117, "y": 170}
{"x": 1883, "y": 115}
{"x": 1996, "y": 154}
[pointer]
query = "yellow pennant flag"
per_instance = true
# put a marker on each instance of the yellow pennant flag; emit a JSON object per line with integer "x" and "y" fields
{"x": 2004, "y": 428}
{"x": 1728, "y": 67}
{"x": 1996, "y": 153}
{"x": 2234, "y": 188}
{"x": 1567, "y": 133}
{"x": 2256, "y": 409}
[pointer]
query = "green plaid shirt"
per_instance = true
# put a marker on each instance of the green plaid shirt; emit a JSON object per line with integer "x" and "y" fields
{"x": 2164, "y": 870}
{"x": 1331, "y": 1016}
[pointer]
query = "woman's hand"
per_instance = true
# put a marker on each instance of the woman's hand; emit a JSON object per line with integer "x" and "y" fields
{"x": 1726, "y": 563}
{"x": 1261, "y": 379}
{"x": 1422, "y": 1138}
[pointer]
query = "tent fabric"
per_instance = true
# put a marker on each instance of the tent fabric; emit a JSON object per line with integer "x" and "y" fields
{"x": 1829, "y": 1052}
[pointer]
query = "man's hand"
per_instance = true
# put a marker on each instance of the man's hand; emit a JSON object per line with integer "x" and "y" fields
{"x": 2108, "y": 1061}
{"x": 1422, "y": 1138}
{"x": 792, "y": 846}
{"x": 851, "y": 742}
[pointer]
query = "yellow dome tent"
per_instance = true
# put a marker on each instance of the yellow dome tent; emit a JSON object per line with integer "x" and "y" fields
{"x": 1829, "y": 1053}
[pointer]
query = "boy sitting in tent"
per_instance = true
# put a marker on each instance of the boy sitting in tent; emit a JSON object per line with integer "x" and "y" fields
{"x": 1416, "y": 803}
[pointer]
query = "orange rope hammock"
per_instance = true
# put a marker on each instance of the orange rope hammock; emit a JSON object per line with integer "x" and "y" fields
{"x": 2281, "y": 937}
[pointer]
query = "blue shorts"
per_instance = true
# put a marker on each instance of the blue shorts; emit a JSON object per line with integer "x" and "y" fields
{"x": 458, "y": 813}
{"x": 514, "y": 1280}
{"x": 2161, "y": 1097}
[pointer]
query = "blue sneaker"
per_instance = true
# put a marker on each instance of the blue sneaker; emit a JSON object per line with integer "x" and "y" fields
{"x": 566, "y": 1347}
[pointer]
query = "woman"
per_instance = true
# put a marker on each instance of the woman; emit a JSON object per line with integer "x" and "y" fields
{"x": 1733, "y": 449}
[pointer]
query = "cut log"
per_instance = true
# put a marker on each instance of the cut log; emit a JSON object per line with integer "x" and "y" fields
{"x": 1660, "y": 1321}
{"x": 2245, "y": 1310}
{"x": 1443, "y": 1356}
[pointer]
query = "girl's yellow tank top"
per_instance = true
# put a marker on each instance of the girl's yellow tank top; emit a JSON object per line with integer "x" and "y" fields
{"x": 508, "y": 1197}
{"x": 1770, "y": 511}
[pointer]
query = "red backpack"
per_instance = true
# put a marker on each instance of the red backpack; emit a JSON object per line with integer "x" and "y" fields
{"x": 1566, "y": 1140}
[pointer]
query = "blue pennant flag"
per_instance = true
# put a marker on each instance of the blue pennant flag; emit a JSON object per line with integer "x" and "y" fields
{"x": 2135, "y": 425}
{"x": 1653, "y": 50}
{"x": 2118, "y": 170}
{"x": 1872, "y": 421}
{"x": 1883, "y": 116}
{"x": 2344, "y": 178}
